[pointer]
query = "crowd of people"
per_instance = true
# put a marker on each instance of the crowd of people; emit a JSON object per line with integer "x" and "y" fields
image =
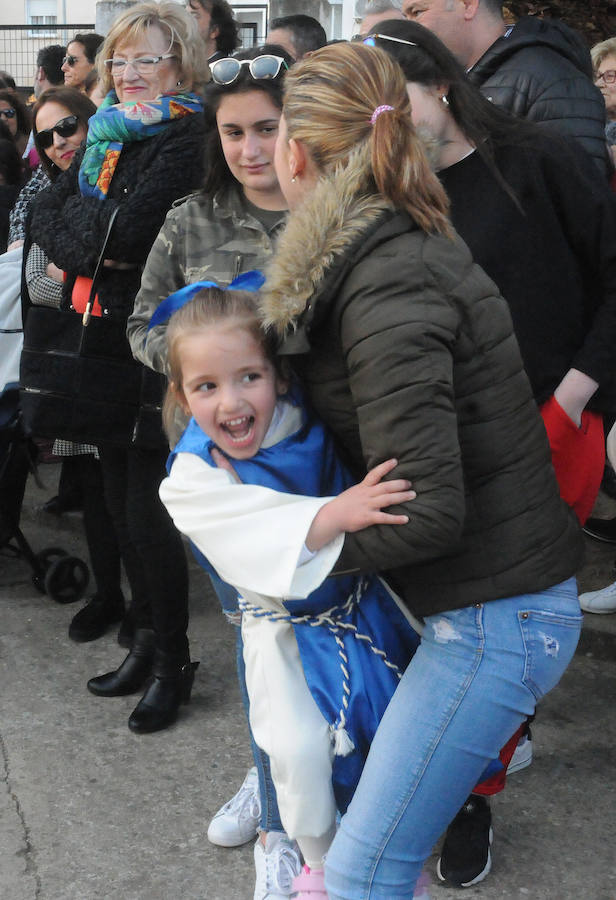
{"x": 369, "y": 291}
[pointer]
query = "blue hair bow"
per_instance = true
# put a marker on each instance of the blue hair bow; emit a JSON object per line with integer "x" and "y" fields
{"x": 249, "y": 281}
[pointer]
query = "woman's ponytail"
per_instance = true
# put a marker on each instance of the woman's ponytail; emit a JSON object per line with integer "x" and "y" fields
{"x": 402, "y": 172}
{"x": 348, "y": 103}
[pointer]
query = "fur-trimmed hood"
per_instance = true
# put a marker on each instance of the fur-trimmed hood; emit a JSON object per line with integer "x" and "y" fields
{"x": 319, "y": 234}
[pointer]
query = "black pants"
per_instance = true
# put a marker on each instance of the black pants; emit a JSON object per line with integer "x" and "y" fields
{"x": 151, "y": 547}
{"x": 86, "y": 475}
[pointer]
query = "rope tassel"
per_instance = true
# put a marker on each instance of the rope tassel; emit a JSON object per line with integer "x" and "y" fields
{"x": 332, "y": 620}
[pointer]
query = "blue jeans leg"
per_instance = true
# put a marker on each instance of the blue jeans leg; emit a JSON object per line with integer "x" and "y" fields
{"x": 477, "y": 674}
{"x": 270, "y": 817}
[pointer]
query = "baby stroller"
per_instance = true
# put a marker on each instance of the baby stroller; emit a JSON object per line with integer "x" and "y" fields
{"x": 64, "y": 578}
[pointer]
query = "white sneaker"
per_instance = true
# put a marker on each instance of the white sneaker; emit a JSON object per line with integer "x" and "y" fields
{"x": 522, "y": 755}
{"x": 236, "y": 822}
{"x": 603, "y": 601}
{"x": 276, "y": 865}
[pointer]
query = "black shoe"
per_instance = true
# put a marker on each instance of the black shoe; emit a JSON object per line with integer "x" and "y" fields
{"x": 159, "y": 706}
{"x": 131, "y": 676}
{"x": 601, "y": 530}
{"x": 58, "y": 505}
{"x": 126, "y": 632}
{"x": 465, "y": 857}
{"x": 94, "y": 619}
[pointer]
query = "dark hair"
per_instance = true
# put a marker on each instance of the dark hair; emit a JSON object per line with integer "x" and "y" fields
{"x": 49, "y": 59}
{"x": 7, "y": 81}
{"x": 23, "y": 115}
{"x": 90, "y": 41}
{"x": 11, "y": 168}
{"x": 76, "y": 102}
{"x": 217, "y": 170}
{"x": 228, "y": 38}
{"x": 430, "y": 63}
{"x": 308, "y": 33}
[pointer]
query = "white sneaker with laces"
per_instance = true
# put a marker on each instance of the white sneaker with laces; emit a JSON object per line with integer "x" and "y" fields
{"x": 236, "y": 822}
{"x": 601, "y": 602}
{"x": 522, "y": 755}
{"x": 276, "y": 864}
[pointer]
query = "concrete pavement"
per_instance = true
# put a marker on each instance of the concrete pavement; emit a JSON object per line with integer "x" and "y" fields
{"x": 89, "y": 811}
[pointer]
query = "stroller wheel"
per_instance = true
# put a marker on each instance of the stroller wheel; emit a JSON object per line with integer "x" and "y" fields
{"x": 67, "y": 579}
{"x": 44, "y": 561}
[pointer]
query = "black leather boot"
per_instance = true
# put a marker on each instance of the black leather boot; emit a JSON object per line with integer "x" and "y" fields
{"x": 172, "y": 684}
{"x": 134, "y": 671}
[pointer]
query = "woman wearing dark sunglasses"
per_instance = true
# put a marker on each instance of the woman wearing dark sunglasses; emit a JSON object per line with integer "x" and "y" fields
{"x": 229, "y": 228}
{"x": 14, "y": 114}
{"x": 143, "y": 151}
{"x": 60, "y": 120}
{"x": 80, "y": 59}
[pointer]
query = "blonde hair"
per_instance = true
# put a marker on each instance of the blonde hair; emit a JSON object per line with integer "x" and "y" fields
{"x": 172, "y": 19}
{"x": 209, "y": 307}
{"x": 601, "y": 50}
{"x": 329, "y": 103}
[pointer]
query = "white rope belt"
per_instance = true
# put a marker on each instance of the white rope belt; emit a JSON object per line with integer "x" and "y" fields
{"x": 332, "y": 620}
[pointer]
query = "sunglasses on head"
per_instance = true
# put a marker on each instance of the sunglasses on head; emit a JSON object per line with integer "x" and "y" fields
{"x": 70, "y": 60}
{"x": 65, "y": 128}
{"x": 370, "y": 41}
{"x": 8, "y": 113}
{"x": 227, "y": 70}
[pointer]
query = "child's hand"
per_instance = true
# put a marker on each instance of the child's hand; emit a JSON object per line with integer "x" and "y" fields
{"x": 361, "y": 506}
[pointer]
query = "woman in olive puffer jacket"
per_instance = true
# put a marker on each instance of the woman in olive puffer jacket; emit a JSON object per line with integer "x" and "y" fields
{"x": 407, "y": 350}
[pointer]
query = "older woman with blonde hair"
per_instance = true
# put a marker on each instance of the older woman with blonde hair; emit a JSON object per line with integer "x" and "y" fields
{"x": 143, "y": 150}
{"x": 407, "y": 351}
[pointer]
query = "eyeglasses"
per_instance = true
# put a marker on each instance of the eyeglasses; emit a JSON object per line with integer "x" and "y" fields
{"x": 143, "y": 65}
{"x": 227, "y": 70}
{"x": 65, "y": 128}
{"x": 71, "y": 60}
{"x": 9, "y": 113}
{"x": 371, "y": 40}
{"x": 609, "y": 76}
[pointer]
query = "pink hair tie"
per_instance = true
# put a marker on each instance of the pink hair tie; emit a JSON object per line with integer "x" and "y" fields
{"x": 377, "y": 112}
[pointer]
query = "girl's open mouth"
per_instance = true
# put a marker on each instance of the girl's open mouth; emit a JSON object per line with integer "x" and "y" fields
{"x": 240, "y": 431}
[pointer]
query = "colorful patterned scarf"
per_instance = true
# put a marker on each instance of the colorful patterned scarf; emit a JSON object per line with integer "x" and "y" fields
{"x": 115, "y": 124}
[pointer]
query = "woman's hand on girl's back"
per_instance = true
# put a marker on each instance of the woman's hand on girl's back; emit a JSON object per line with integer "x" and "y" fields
{"x": 361, "y": 506}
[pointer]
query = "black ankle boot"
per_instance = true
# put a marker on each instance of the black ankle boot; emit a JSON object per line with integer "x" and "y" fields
{"x": 132, "y": 674}
{"x": 173, "y": 681}
{"x": 94, "y": 619}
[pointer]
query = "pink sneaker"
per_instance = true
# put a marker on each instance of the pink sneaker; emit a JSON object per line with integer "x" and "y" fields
{"x": 309, "y": 885}
{"x": 422, "y": 888}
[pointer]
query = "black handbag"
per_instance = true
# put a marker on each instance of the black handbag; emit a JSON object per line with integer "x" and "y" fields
{"x": 79, "y": 380}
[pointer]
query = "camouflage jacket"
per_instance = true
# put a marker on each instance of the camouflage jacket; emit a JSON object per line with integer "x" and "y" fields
{"x": 203, "y": 238}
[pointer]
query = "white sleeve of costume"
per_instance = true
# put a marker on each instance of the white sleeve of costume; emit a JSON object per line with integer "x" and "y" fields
{"x": 252, "y": 535}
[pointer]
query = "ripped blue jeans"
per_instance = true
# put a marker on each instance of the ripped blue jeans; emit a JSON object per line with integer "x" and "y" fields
{"x": 478, "y": 672}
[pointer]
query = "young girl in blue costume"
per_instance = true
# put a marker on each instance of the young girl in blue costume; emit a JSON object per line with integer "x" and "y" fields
{"x": 256, "y": 484}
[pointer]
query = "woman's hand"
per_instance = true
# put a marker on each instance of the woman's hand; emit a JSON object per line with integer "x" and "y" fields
{"x": 53, "y": 272}
{"x": 361, "y": 506}
{"x": 574, "y": 392}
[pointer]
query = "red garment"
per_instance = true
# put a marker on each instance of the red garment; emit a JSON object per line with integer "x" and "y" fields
{"x": 578, "y": 455}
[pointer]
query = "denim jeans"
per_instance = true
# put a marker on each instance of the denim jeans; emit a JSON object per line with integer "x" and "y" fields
{"x": 270, "y": 817}
{"x": 478, "y": 672}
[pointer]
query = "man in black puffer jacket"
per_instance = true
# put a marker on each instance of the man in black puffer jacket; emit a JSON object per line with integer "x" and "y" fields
{"x": 538, "y": 69}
